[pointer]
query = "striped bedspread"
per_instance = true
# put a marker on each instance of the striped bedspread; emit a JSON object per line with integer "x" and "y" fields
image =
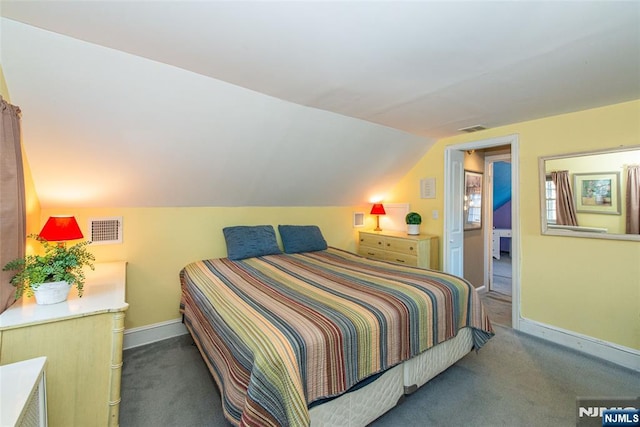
{"x": 282, "y": 331}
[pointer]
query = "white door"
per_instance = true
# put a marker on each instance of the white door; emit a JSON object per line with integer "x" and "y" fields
{"x": 453, "y": 220}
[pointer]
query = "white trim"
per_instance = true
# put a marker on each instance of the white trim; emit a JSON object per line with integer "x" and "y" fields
{"x": 488, "y": 214}
{"x": 620, "y": 355}
{"x": 135, "y": 337}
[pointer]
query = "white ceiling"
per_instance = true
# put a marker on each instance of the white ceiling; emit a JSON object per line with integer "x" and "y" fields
{"x": 410, "y": 71}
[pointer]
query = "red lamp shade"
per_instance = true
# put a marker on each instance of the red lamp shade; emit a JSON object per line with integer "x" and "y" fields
{"x": 377, "y": 209}
{"x": 60, "y": 228}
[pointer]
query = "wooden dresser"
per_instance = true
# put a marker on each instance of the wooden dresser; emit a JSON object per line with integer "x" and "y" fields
{"x": 82, "y": 341}
{"x": 399, "y": 247}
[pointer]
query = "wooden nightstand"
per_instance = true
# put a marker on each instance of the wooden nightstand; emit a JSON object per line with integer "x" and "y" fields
{"x": 401, "y": 248}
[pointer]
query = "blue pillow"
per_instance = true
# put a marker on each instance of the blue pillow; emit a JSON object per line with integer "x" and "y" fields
{"x": 250, "y": 241}
{"x": 301, "y": 238}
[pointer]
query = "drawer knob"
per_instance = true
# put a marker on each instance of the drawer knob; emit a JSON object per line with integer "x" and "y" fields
{"x": 399, "y": 260}
{"x": 388, "y": 244}
{"x": 410, "y": 248}
{"x": 370, "y": 253}
{"x": 379, "y": 243}
{"x": 362, "y": 240}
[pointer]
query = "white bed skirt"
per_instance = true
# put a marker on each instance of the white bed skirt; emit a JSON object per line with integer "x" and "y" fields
{"x": 363, "y": 406}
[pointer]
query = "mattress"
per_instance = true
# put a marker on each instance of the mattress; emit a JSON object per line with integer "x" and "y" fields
{"x": 281, "y": 332}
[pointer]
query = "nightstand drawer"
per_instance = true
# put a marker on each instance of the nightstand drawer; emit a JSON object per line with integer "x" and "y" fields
{"x": 404, "y": 246}
{"x": 371, "y": 252}
{"x": 371, "y": 240}
{"x": 400, "y": 258}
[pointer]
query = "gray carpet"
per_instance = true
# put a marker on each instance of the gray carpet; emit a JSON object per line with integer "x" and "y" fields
{"x": 515, "y": 380}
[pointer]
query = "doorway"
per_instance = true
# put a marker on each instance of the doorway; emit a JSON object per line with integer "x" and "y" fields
{"x": 498, "y": 254}
{"x": 453, "y": 241}
{"x": 498, "y": 283}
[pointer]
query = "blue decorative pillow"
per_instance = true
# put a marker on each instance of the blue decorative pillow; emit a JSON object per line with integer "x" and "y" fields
{"x": 245, "y": 241}
{"x": 301, "y": 238}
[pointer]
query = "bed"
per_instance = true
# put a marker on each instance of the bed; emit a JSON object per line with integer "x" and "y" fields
{"x": 323, "y": 336}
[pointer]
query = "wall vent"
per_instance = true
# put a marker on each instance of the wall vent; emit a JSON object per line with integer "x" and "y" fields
{"x": 104, "y": 231}
{"x": 474, "y": 128}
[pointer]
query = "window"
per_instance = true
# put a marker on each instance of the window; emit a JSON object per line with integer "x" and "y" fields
{"x": 550, "y": 199}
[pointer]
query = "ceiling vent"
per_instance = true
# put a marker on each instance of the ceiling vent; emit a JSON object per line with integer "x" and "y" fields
{"x": 474, "y": 128}
{"x": 105, "y": 231}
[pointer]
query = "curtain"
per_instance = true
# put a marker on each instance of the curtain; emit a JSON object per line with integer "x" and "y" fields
{"x": 633, "y": 199}
{"x": 12, "y": 198}
{"x": 565, "y": 204}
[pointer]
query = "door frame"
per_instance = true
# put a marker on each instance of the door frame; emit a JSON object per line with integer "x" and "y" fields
{"x": 450, "y": 213}
{"x": 488, "y": 214}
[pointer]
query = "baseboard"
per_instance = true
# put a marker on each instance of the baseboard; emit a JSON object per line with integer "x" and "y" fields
{"x": 143, "y": 335}
{"x": 620, "y": 355}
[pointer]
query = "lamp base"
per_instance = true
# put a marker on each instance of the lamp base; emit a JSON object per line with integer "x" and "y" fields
{"x": 377, "y": 224}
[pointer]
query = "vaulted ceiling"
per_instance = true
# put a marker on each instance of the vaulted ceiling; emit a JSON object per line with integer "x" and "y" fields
{"x": 205, "y": 103}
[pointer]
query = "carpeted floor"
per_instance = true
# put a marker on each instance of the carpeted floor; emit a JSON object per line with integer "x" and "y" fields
{"x": 515, "y": 380}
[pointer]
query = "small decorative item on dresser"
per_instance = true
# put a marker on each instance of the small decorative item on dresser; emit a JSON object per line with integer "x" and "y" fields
{"x": 377, "y": 209}
{"x": 413, "y": 220}
{"x": 59, "y": 263}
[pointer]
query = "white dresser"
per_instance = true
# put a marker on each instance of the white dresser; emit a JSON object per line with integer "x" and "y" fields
{"x": 82, "y": 341}
{"x": 495, "y": 242}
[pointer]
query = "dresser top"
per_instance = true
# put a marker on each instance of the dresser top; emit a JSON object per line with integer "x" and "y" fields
{"x": 401, "y": 234}
{"x": 104, "y": 291}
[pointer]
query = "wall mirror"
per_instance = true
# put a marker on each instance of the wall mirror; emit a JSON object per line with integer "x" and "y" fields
{"x": 600, "y": 201}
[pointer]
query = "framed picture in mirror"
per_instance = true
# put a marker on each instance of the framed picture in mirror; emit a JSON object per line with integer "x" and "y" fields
{"x": 597, "y": 192}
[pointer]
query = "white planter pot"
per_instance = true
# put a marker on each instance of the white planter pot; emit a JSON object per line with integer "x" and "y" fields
{"x": 413, "y": 229}
{"x": 51, "y": 293}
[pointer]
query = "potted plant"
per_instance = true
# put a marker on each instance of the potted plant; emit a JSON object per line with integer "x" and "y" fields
{"x": 58, "y": 268}
{"x": 413, "y": 220}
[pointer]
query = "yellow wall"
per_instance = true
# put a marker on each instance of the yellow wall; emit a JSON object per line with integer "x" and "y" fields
{"x": 588, "y": 286}
{"x": 158, "y": 242}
